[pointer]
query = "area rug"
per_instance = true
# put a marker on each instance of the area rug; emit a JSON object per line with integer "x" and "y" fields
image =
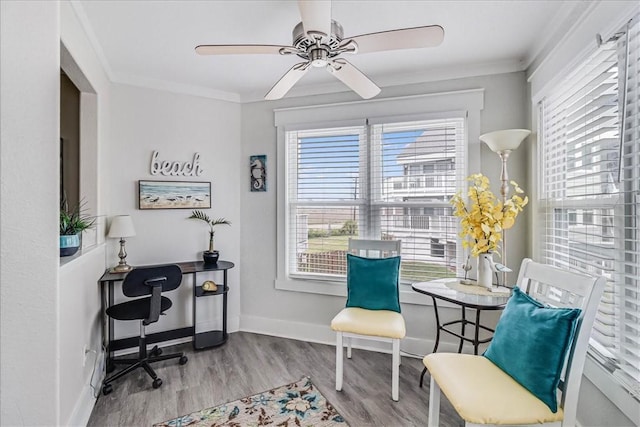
{"x": 297, "y": 404}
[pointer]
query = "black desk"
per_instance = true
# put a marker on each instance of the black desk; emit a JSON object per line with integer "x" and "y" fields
{"x": 201, "y": 340}
{"x": 438, "y": 290}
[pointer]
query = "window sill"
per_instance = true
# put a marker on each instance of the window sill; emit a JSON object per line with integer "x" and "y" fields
{"x": 614, "y": 391}
{"x": 339, "y": 289}
{"x": 67, "y": 260}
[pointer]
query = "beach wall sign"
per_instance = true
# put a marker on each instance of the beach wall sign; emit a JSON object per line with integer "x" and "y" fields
{"x": 175, "y": 168}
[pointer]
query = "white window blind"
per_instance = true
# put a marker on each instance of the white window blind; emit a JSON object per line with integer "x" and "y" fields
{"x": 325, "y": 169}
{"x": 381, "y": 181}
{"x": 590, "y": 193}
{"x": 416, "y": 169}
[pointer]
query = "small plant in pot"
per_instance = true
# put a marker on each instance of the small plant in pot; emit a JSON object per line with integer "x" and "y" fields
{"x": 211, "y": 256}
{"x": 73, "y": 221}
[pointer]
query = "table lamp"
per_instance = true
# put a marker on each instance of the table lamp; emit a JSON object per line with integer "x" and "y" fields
{"x": 121, "y": 227}
{"x": 503, "y": 142}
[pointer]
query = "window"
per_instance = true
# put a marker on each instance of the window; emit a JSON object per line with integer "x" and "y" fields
{"x": 590, "y": 193}
{"x": 373, "y": 207}
{"x": 368, "y": 181}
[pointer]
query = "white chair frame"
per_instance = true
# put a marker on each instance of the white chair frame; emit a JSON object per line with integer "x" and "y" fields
{"x": 370, "y": 249}
{"x": 557, "y": 288}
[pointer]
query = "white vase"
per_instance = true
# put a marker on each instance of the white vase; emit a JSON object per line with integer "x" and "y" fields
{"x": 485, "y": 273}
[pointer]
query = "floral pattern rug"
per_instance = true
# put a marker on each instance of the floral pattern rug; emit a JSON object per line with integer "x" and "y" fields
{"x": 297, "y": 404}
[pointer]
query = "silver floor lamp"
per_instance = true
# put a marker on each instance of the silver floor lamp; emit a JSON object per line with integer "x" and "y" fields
{"x": 503, "y": 142}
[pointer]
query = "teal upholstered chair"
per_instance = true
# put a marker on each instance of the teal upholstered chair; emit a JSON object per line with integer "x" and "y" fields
{"x": 373, "y": 306}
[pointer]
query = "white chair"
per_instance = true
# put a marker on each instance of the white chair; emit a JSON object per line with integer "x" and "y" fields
{"x": 482, "y": 393}
{"x": 373, "y": 324}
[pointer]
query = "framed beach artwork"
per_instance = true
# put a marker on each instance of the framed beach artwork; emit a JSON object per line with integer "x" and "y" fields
{"x": 174, "y": 195}
{"x": 258, "y": 171}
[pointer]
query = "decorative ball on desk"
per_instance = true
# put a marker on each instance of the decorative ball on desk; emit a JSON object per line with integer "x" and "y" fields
{"x": 209, "y": 286}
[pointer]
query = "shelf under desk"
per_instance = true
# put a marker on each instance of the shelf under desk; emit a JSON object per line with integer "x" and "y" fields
{"x": 200, "y": 340}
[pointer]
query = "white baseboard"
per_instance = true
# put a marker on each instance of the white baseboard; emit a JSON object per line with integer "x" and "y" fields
{"x": 311, "y": 332}
{"x": 83, "y": 408}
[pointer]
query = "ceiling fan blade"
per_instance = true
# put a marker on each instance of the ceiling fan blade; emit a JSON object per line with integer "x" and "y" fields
{"x": 348, "y": 74}
{"x": 316, "y": 17}
{"x": 406, "y": 38}
{"x": 287, "y": 81}
{"x": 240, "y": 49}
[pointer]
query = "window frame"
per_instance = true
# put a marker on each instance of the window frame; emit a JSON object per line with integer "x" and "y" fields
{"x": 410, "y": 108}
{"x": 596, "y": 364}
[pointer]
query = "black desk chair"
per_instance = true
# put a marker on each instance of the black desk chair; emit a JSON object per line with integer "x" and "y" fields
{"x": 145, "y": 281}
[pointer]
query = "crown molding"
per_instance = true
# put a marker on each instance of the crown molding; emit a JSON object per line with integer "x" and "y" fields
{"x": 563, "y": 23}
{"x": 175, "y": 87}
{"x": 78, "y": 9}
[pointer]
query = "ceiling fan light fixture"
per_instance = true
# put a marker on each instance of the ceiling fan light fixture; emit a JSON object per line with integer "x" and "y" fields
{"x": 319, "y": 57}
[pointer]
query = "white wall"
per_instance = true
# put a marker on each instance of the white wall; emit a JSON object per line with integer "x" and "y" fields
{"x": 79, "y": 301}
{"x": 29, "y": 83}
{"x": 307, "y": 316}
{"x": 80, "y": 335}
{"x": 177, "y": 126}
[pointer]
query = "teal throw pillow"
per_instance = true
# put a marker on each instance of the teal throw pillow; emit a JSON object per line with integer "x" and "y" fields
{"x": 372, "y": 283}
{"x": 531, "y": 342}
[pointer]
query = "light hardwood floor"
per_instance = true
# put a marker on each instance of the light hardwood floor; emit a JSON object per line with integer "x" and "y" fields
{"x": 251, "y": 363}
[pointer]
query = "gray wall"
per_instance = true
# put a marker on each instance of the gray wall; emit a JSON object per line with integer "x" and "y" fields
{"x": 177, "y": 126}
{"x": 308, "y": 315}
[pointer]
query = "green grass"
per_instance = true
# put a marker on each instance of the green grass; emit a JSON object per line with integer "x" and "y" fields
{"x": 423, "y": 271}
{"x": 330, "y": 243}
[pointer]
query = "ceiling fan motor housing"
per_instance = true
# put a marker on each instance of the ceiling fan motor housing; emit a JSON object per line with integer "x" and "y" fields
{"x": 310, "y": 49}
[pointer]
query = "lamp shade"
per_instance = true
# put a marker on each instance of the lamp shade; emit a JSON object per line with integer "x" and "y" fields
{"x": 121, "y": 226}
{"x": 502, "y": 140}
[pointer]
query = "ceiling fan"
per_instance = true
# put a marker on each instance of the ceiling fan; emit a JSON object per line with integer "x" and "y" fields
{"x": 319, "y": 40}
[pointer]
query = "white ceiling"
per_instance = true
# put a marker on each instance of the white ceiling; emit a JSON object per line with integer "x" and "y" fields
{"x": 151, "y": 43}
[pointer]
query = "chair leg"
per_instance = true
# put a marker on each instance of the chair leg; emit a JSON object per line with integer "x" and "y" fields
{"x": 122, "y": 373}
{"x": 395, "y": 374}
{"x": 149, "y": 370}
{"x": 434, "y": 404}
{"x": 164, "y": 357}
{"x": 348, "y": 339}
{"x": 339, "y": 353}
{"x": 424, "y": 371}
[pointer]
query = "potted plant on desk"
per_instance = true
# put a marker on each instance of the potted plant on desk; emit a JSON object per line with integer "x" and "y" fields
{"x": 72, "y": 223}
{"x": 211, "y": 256}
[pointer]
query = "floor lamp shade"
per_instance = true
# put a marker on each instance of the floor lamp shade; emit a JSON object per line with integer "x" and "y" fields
{"x": 121, "y": 226}
{"x": 503, "y": 140}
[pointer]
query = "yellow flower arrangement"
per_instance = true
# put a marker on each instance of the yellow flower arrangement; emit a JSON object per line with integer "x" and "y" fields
{"x": 484, "y": 218}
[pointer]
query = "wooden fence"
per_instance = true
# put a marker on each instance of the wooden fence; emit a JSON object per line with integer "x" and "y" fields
{"x": 330, "y": 262}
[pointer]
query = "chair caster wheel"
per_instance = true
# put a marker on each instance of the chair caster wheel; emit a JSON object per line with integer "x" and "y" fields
{"x": 156, "y": 351}
{"x": 183, "y": 360}
{"x": 106, "y": 389}
{"x": 157, "y": 383}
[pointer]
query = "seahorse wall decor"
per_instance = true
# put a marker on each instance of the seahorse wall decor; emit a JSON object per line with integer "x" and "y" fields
{"x": 258, "y": 171}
